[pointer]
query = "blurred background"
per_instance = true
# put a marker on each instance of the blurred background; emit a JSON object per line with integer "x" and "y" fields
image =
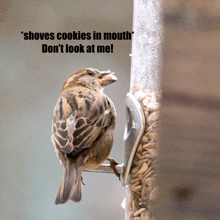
{"x": 30, "y": 85}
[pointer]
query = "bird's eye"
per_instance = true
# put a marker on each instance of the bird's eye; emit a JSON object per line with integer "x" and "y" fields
{"x": 89, "y": 72}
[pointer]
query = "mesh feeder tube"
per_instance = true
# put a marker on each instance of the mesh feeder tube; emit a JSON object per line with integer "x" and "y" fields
{"x": 141, "y": 188}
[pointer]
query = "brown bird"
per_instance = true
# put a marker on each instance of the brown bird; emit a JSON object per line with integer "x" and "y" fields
{"x": 83, "y": 128}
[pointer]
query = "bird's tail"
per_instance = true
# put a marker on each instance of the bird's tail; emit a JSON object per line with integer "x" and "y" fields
{"x": 71, "y": 184}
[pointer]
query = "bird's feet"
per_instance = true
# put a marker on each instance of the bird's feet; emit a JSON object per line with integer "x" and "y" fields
{"x": 82, "y": 181}
{"x": 113, "y": 164}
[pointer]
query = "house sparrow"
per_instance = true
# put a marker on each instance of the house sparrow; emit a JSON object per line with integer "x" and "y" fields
{"x": 82, "y": 128}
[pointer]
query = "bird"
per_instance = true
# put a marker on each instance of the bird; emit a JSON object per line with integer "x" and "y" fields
{"x": 83, "y": 127}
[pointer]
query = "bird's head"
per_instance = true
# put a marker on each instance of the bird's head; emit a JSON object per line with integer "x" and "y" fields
{"x": 90, "y": 78}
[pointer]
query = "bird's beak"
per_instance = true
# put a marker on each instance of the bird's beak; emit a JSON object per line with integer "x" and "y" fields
{"x": 107, "y": 77}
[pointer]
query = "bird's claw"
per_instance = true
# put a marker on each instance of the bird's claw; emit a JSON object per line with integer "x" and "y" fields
{"x": 113, "y": 164}
{"x": 82, "y": 181}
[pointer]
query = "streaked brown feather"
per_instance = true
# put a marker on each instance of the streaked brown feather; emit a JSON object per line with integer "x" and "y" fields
{"x": 91, "y": 112}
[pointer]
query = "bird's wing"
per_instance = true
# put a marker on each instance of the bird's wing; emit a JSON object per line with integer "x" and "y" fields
{"x": 79, "y": 118}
